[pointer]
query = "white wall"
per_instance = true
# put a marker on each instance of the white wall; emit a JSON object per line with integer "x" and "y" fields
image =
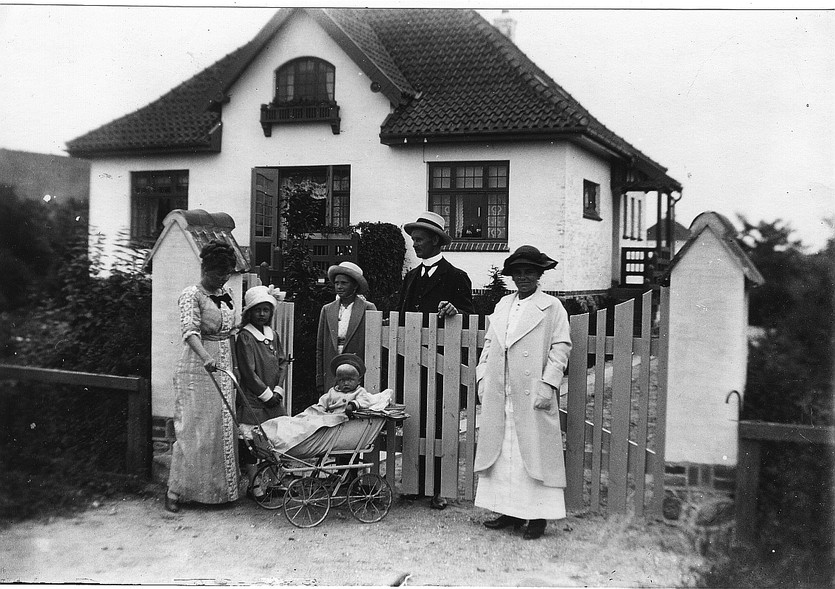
{"x": 708, "y": 354}
{"x": 387, "y": 183}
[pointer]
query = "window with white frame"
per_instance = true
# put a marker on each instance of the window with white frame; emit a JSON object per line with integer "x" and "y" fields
{"x": 472, "y": 198}
{"x": 153, "y": 196}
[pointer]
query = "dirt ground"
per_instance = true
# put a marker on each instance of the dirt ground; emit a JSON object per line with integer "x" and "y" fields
{"x": 134, "y": 540}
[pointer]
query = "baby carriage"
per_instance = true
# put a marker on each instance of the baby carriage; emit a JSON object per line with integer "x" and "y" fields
{"x": 305, "y": 481}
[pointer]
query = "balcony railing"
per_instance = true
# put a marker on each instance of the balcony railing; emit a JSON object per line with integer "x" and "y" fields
{"x": 278, "y": 114}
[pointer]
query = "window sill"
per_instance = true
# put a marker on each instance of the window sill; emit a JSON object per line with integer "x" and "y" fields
{"x": 462, "y": 245}
{"x": 592, "y": 216}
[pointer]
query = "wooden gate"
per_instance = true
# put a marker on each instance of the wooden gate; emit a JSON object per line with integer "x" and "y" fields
{"x": 612, "y": 411}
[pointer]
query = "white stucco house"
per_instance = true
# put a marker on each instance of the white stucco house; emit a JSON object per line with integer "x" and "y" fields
{"x": 384, "y": 113}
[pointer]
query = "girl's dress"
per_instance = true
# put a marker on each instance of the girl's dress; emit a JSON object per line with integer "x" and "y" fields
{"x": 204, "y": 462}
{"x": 262, "y": 364}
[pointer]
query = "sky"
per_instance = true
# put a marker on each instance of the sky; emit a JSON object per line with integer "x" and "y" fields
{"x": 738, "y": 104}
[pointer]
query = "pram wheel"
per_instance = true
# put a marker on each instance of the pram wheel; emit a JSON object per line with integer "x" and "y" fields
{"x": 269, "y": 478}
{"x": 307, "y": 502}
{"x": 369, "y": 497}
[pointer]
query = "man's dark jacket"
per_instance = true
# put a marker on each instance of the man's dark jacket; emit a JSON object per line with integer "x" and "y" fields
{"x": 447, "y": 283}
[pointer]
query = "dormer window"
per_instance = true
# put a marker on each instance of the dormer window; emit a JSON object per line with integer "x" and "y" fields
{"x": 305, "y": 81}
{"x": 304, "y": 93}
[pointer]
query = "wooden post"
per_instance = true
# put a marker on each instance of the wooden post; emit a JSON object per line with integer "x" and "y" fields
{"x": 621, "y": 407}
{"x": 747, "y": 480}
{"x": 658, "y": 467}
{"x": 137, "y": 458}
{"x": 575, "y": 423}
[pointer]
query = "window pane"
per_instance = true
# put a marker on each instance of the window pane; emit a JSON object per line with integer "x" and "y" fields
{"x": 591, "y": 197}
{"x": 441, "y": 176}
{"x": 471, "y": 220}
{"x": 470, "y": 177}
{"x": 472, "y": 198}
{"x": 497, "y": 176}
{"x": 305, "y": 80}
{"x": 155, "y": 194}
{"x": 440, "y": 204}
{"x": 496, "y": 216}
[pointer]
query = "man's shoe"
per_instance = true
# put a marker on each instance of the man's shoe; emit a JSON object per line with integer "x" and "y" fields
{"x": 438, "y": 502}
{"x": 504, "y": 521}
{"x": 535, "y": 529}
{"x": 171, "y": 504}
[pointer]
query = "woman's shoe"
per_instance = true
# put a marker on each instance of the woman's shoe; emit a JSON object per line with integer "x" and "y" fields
{"x": 535, "y": 529}
{"x": 504, "y": 521}
{"x": 172, "y": 503}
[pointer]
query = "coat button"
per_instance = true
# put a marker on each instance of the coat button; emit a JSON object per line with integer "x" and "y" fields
{"x": 525, "y": 354}
{"x": 527, "y": 392}
{"x": 527, "y": 373}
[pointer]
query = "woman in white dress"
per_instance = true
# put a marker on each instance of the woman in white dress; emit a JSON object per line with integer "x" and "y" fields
{"x": 520, "y": 456}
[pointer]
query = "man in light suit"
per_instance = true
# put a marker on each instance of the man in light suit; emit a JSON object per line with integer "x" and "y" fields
{"x": 435, "y": 286}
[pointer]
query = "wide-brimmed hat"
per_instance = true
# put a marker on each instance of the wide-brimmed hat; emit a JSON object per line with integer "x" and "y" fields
{"x": 431, "y": 222}
{"x": 352, "y": 271}
{"x": 528, "y": 255}
{"x": 351, "y": 359}
{"x": 257, "y": 295}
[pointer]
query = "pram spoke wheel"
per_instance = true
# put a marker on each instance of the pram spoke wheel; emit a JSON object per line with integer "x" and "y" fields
{"x": 306, "y": 502}
{"x": 369, "y": 497}
{"x": 269, "y": 478}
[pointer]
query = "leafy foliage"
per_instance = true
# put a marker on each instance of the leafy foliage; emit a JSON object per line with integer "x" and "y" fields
{"x": 494, "y": 290}
{"x": 33, "y": 235}
{"x": 382, "y": 251}
{"x": 790, "y": 363}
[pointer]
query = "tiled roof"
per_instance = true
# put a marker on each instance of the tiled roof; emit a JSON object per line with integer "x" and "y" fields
{"x": 200, "y": 228}
{"x": 680, "y": 232}
{"x": 177, "y": 121}
{"x": 449, "y": 73}
{"x": 359, "y": 30}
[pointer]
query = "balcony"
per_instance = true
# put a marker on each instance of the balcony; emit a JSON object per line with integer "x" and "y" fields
{"x": 279, "y": 114}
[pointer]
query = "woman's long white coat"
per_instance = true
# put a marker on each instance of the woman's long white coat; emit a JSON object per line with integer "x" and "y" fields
{"x": 534, "y": 358}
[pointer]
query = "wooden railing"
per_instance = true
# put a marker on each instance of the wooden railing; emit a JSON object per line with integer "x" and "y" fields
{"x": 751, "y": 435}
{"x": 138, "y": 426}
{"x": 275, "y": 114}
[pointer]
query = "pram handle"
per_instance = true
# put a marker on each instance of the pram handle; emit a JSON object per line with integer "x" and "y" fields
{"x": 241, "y": 394}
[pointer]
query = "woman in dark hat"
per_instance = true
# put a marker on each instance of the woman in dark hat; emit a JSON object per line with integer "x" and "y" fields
{"x": 341, "y": 322}
{"x": 519, "y": 457}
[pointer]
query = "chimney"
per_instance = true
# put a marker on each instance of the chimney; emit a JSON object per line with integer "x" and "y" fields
{"x": 506, "y": 24}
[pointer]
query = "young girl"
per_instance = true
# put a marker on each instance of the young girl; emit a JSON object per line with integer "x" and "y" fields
{"x": 262, "y": 366}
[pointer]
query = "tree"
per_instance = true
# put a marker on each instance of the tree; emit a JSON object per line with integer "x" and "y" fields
{"x": 790, "y": 364}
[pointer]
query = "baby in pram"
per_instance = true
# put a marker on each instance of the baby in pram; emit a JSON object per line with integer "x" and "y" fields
{"x": 332, "y": 409}
{"x": 347, "y": 394}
